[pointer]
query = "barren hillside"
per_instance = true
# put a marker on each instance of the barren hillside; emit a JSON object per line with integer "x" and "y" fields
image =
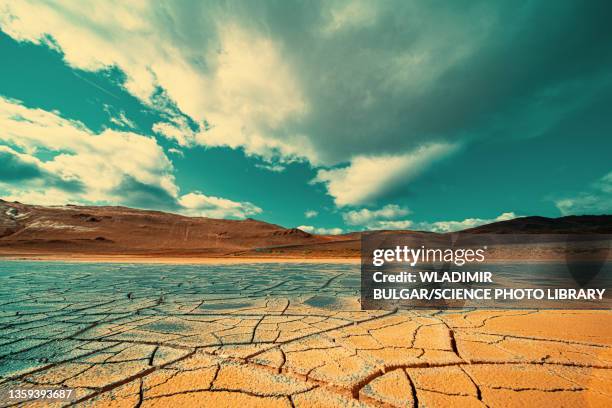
{"x": 39, "y": 230}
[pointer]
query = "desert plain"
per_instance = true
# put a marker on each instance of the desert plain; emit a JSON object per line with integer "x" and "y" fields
{"x": 280, "y": 335}
{"x": 133, "y": 308}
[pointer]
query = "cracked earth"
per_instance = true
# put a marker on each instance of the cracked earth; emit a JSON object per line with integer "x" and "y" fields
{"x": 280, "y": 335}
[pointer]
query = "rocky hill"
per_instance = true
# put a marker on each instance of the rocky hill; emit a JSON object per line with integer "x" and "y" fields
{"x": 108, "y": 230}
{"x": 120, "y": 230}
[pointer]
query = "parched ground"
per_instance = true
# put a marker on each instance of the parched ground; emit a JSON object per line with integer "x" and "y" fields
{"x": 273, "y": 335}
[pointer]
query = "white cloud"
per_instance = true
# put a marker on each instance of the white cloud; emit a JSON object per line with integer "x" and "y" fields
{"x": 388, "y": 217}
{"x": 176, "y": 151}
{"x": 46, "y": 196}
{"x": 311, "y": 213}
{"x": 321, "y": 231}
{"x": 273, "y": 87}
{"x": 391, "y": 225}
{"x": 99, "y": 161}
{"x": 251, "y": 92}
{"x": 275, "y": 168}
{"x": 230, "y": 76}
{"x": 451, "y": 226}
{"x": 108, "y": 167}
{"x": 264, "y": 80}
{"x": 392, "y": 217}
{"x": 366, "y": 216}
{"x": 178, "y": 130}
{"x": 236, "y": 80}
{"x": 580, "y": 204}
{"x": 370, "y": 177}
{"x": 198, "y": 204}
{"x": 14, "y": 161}
{"x": 597, "y": 200}
{"x": 122, "y": 121}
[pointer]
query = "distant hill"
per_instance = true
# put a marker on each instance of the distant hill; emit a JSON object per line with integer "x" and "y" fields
{"x": 121, "y": 230}
{"x": 110, "y": 230}
{"x": 573, "y": 224}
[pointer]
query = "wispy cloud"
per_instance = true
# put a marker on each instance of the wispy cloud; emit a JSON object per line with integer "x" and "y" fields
{"x": 119, "y": 118}
{"x": 275, "y": 168}
{"x": 177, "y": 129}
{"x": 596, "y": 200}
{"x": 348, "y": 15}
{"x": 311, "y": 213}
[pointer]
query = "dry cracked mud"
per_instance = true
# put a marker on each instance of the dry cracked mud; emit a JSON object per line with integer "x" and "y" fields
{"x": 280, "y": 335}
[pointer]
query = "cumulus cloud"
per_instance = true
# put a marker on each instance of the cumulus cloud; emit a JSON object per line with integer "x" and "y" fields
{"x": 18, "y": 167}
{"x": 311, "y": 213}
{"x": 321, "y": 231}
{"x": 196, "y": 203}
{"x": 597, "y": 200}
{"x": 361, "y": 82}
{"x": 451, "y": 226}
{"x": 87, "y": 167}
{"x": 234, "y": 78}
{"x": 287, "y": 79}
{"x": 99, "y": 161}
{"x": 31, "y": 173}
{"x": 388, "y": 217}
{"x": 391, "y": 224}
{"x": 47, "y": 196}
{"x": 366, "y": 216}
{"x": 368, "y": 178}
{"x": 393, "y": 217}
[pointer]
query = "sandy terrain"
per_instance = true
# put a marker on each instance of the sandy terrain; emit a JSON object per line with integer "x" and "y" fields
{"x": 293, "y": 335}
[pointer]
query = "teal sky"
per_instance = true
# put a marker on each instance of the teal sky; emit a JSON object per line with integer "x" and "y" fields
{"x": 331, "y": 116}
